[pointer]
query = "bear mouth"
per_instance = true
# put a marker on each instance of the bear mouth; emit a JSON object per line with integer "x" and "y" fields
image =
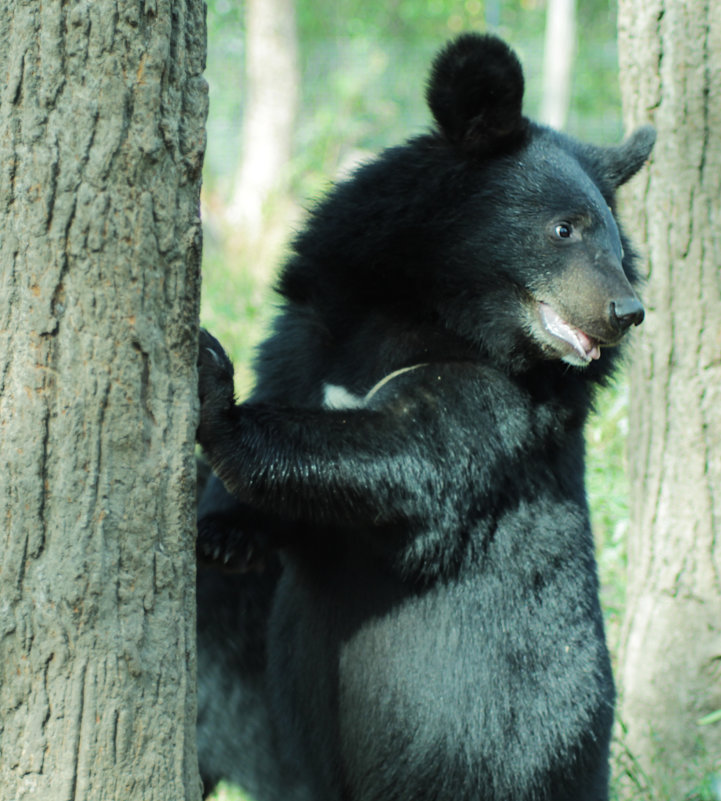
{"x": 582, "y": 346}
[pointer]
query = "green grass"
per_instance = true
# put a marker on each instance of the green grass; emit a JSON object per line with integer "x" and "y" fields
{"x": 607, "y": 487}
{"x": 228, "y": 792}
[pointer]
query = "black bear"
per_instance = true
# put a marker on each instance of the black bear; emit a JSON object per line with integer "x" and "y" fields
{"x": 414, "y": 453}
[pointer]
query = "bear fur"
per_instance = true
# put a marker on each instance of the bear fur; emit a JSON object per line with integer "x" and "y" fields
{"x": 416, "y": 614}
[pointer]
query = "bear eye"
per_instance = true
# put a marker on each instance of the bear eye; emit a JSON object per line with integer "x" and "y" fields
{"x": 563, "y": 230}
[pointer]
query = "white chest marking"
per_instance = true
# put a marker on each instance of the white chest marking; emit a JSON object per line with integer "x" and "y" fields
{"x": 338, "y": 397}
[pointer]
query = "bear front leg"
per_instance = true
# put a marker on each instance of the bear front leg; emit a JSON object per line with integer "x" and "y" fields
{"x": 386, "y": 465}
{"x": 230, "y": 536}
{"x": 332, "y": 467}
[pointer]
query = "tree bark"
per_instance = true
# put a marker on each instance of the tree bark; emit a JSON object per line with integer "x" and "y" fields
{"x": 272, "y": 90}
{"x": 102, "y": 113}
{"x": 670, "y": 661}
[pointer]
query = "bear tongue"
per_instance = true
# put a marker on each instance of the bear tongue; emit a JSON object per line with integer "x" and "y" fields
{"x": 586, "y": 347}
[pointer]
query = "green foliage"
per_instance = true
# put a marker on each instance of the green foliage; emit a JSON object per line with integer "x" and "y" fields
{"x": 237, "y": 306}
{"x": 400, "y": 19}
{"x": 363, "y": 70}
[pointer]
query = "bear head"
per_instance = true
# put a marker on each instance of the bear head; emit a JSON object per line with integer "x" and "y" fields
{"x": 492, "y": 227}
{"x": 552, "y": 251}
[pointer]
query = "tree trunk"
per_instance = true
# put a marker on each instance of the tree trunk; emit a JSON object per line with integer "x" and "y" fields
{"x": 670, "y": 662}
{"x": 102, "y": 118}
{"x": 559, "y": 49}
{"x": 272, "y": 90}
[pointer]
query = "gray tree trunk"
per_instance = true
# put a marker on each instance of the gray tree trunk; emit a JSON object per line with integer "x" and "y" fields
{"x": 670, "y": 662}
{"x": 102, "y": 113}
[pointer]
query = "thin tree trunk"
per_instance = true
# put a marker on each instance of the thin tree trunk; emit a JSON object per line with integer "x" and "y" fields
{"x": 670, "y": 664}
{"x": 102, "y": 117}
{"x": 272, "y": 89}
{"x": 559, "y": 50}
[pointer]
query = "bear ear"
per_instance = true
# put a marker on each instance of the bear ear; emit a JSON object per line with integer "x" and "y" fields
{"x": 623, "y": 161}
{"x": 475, "y": 93}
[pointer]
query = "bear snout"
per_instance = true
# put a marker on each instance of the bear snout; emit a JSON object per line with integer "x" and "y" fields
{"x": 625, "y": 312}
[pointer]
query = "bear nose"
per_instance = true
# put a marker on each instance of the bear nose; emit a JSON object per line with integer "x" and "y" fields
{"x": 626, "y": 312}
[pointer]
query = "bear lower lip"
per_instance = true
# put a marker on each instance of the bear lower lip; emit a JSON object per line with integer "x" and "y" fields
{"x": 583, "y": 345}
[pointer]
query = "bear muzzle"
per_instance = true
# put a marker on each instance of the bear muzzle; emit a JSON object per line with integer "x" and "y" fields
{"x": 589, "y": 305}
{"x": 580, "y": 342}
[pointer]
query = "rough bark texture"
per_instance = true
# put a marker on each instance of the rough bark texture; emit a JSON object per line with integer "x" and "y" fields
{"x": 670, "y": 666}
{"x": 102, "y": 113}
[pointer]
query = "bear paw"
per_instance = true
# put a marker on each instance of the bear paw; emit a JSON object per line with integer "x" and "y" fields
{"x": 215, "y": 372}
{"x": 215, "y": 389}
{"x": 222, "y": 544}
